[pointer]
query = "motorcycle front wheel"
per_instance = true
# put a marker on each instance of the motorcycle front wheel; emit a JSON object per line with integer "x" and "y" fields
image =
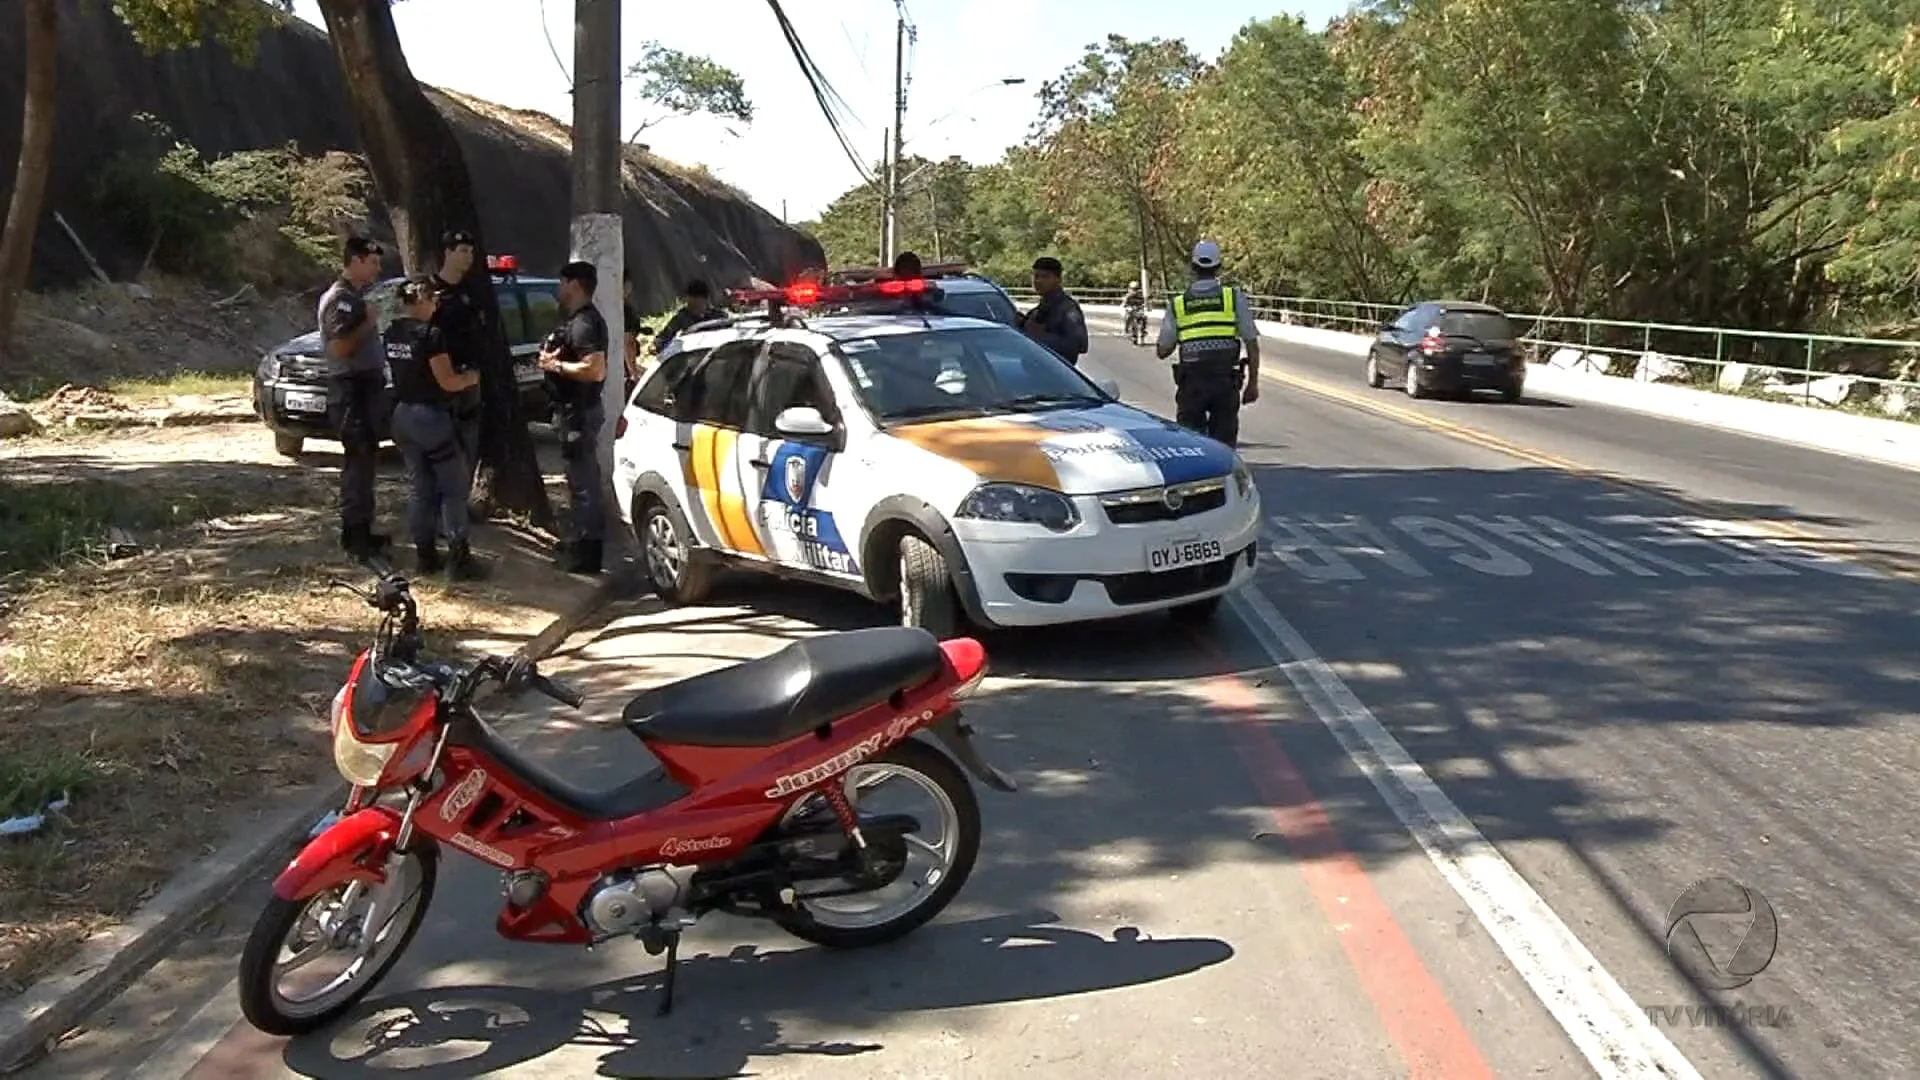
{"x": 290, "y": 935}
{"x": 923, "y": 875}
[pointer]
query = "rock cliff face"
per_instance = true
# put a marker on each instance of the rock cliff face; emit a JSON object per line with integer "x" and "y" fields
{"x": 679, "y": 222}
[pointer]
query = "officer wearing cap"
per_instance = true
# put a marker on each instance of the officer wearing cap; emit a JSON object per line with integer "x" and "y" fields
{"x": 357, "y": 402}
{"x": 697, "y": 308}
{"x": 426, "y": 385}
{"x": 1209, "y": 325}
{"x": 463, "y": 327}
{"x": 1055, "y": 321}
{"x": 574, "y": 357}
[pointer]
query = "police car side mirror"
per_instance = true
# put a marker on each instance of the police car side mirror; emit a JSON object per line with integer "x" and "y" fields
{"x": 802, "y": 422}
{"x": 1109, "y": 387}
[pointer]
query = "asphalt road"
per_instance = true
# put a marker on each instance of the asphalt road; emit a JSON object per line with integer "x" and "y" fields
{"x": 1643, "y": 703}
{"x": 1220, "y": 866}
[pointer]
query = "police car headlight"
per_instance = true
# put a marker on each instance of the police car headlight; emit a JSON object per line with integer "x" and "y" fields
{"x": 1019, "y": 502}
{"x": 1242, "y": 478}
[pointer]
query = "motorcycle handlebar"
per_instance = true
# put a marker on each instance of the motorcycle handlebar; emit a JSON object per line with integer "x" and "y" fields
{"x": 518, "y": 673}
{"x": 555, "y": 689}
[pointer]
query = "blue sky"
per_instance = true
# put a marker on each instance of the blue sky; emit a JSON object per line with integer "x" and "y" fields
{"x": 494, "y": 49}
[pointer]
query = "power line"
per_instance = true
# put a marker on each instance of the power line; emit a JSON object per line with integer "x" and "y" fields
{"x": 832, "y": 105}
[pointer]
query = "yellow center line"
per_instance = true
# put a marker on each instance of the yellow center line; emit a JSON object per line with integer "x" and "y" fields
{"x": 1765, "y": 529}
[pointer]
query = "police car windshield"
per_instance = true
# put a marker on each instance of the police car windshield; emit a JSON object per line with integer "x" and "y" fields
{"x": 946, "y": 374}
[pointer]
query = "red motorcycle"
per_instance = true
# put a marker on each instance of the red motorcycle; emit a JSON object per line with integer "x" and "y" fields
{"x": 753, "y": 812}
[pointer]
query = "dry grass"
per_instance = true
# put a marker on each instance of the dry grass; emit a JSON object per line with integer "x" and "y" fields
{"x": 162, "y": 690}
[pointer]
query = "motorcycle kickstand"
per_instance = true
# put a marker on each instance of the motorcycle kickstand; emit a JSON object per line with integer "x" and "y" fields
{"x": 673, "y": 965}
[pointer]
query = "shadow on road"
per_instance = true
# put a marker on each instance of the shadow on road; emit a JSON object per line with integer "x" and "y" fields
{"x": 727, "y": 1004}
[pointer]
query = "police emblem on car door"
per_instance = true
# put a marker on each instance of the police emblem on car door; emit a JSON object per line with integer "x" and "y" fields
{"x": 799, "y": 528}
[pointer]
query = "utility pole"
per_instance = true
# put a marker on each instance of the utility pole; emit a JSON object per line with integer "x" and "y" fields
{"x": 886, "y": 197}
{"x": 597, "y": 236}
{"x": 900, "y": 33}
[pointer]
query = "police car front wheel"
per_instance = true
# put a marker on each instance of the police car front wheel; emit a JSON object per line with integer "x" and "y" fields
{"x": 927, "y": 599}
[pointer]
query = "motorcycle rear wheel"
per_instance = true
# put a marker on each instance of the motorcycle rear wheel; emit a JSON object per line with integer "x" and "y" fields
{"x": 935, "y": 772}
{"x": 261, "y": 1000}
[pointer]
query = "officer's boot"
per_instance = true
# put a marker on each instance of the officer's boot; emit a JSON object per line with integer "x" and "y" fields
{"x": 581, "y": 557}
{"x": 428, "y": 555}
{"x": 461, "y": 565}
{"x": 361, "y": 542}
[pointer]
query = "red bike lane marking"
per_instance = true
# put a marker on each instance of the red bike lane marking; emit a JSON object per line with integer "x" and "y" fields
{"x": 1411, "y": 1005}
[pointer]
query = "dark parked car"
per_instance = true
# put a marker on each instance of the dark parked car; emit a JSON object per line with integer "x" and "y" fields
{"x": 962, "y": 292}
{"x": 290, "y": 387}
{"x": 1448, "y": 347}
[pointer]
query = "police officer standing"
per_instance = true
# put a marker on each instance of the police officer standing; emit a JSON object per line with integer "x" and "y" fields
{"x": 463, "y": 328}
{"x": 574, "y": 357}
{"x": 697, "y": 308}
{"x": 1209, "y": 324}
{"x": 426, "y": 386}
{"x": 357, "y": 401}
{"x": 630, "y": 316}
{"x": 1055, "y": 321}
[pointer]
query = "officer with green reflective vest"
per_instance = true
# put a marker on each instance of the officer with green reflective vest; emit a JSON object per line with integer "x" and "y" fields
{"x": 1210, "y": 324}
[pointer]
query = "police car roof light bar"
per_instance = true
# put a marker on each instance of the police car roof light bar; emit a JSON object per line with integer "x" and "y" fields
{"x": 503, "y": 264}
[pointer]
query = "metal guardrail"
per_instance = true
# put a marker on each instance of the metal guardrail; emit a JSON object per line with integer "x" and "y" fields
{"x": 1787, "y": 364}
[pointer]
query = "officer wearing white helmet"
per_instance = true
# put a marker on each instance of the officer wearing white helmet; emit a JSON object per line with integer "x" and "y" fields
{"x": 1209, "y": 325}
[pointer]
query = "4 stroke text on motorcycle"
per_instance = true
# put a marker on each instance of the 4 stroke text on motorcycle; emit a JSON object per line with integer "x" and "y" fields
{"x": 753, "y": 812}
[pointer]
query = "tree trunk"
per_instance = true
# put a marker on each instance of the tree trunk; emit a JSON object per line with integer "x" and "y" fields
{"x": 36, "y": 157}
{"x": 422, "y": 177}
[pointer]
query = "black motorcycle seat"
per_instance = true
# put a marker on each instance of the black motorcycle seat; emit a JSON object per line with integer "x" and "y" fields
{"x": 779, "y": 697}
{"x": 648, "y": 791}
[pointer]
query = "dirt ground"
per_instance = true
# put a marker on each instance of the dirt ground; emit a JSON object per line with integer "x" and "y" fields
{"x": 168, "y": 646}
{"x": 125, "y": 336}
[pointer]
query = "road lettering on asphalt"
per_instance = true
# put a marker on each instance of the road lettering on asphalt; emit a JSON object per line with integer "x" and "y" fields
{"x": 1348, "y": 547}
{"x": 1447, "y": 536}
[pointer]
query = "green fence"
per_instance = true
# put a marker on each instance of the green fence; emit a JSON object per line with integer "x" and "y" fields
{"x": 1874, "y": 375}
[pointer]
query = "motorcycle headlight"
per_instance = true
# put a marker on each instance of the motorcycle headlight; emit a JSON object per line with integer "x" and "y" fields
{"x": 1020, "y": 503}
{"x": 1242, "y": 478}
{"x": 360, "y": 764}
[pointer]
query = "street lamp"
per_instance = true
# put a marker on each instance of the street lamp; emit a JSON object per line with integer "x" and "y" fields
{"x": 890, "y": 230}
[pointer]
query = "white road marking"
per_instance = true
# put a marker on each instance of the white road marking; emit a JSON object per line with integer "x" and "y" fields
{"x": 1290, "y": 542}
{"x": 1339, "y": 547}
{"x": 1446, "y": 536}
{"x": 1359, "y": 536}
{"x": 1611, "y": 1031}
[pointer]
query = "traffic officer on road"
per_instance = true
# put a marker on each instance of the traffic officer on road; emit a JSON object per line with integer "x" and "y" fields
{"x": 463, "y": 327}
{"x": 575, "y": 360}
{"x": 357, "y": 402}
{"x": 1209, "y": 324}
{"x": 1056, "y": 321}
{"x": 426, "y": 386}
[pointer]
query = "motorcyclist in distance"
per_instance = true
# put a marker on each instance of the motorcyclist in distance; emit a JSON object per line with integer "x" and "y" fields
{"x": 1133, "y": 306}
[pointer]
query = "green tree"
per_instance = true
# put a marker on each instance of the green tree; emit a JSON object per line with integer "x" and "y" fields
{"x": 157, "y": 25}
{"x": 681, "y": 84}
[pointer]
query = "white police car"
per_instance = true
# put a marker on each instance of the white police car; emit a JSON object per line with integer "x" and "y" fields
{"x": 945, "y": 464}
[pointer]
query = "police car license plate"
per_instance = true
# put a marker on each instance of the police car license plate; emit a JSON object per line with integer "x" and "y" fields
{"x": 313, "y": 403}
{"x": 1183, "y": 552}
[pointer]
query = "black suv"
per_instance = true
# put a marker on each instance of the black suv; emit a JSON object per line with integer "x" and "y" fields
{"x": 290, "y": 387}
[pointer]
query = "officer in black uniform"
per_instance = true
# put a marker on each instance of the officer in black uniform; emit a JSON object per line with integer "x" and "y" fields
{"x": 697, "y": 308}
{"x": 574, "y": 357}
{"x": 426, "y": 386}
{"x": 463, "y": 326}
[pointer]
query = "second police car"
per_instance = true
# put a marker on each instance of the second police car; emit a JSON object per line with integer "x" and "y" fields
{"x": 857, "y": 437}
